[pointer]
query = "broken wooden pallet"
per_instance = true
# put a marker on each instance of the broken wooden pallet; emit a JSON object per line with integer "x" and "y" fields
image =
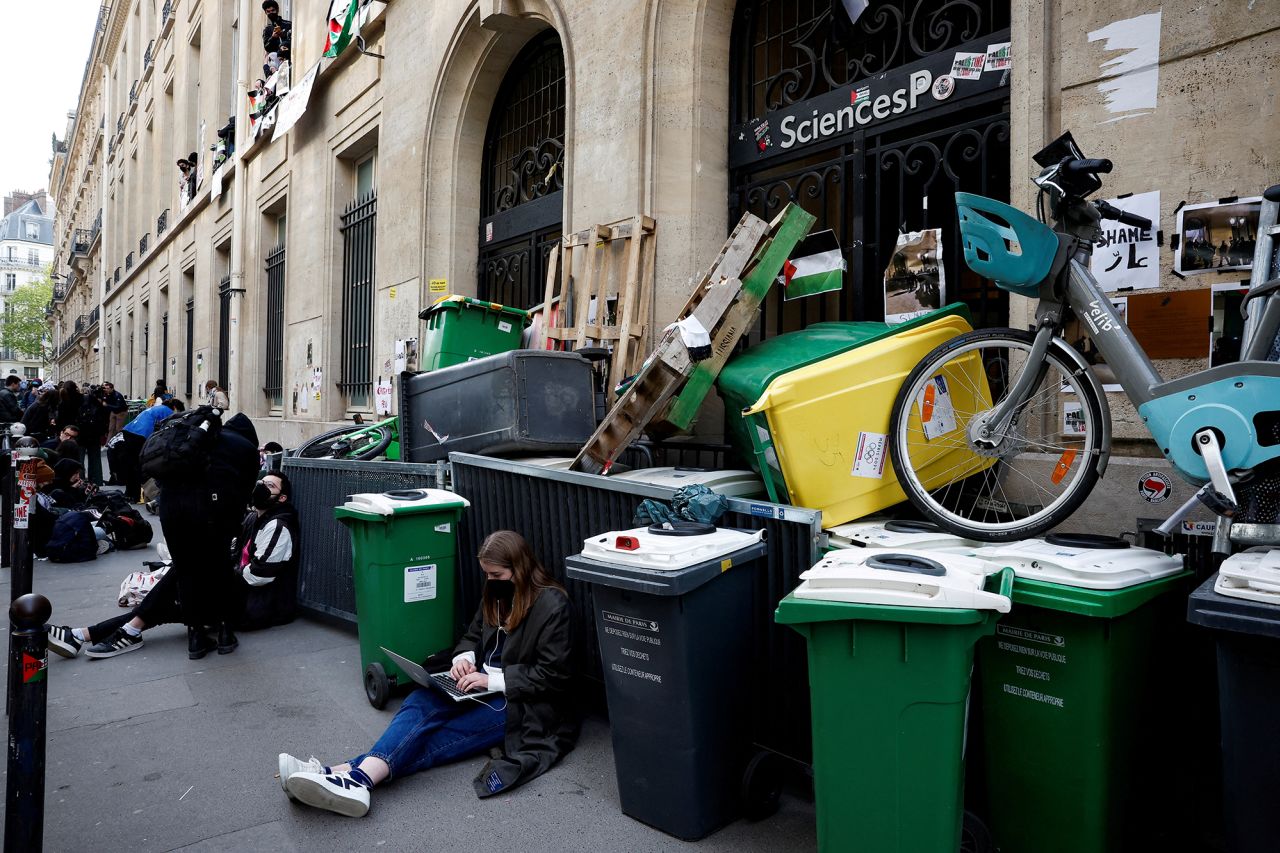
{"x": 725, "y": 301}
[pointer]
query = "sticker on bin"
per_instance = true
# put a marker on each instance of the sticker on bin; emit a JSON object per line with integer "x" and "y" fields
{"x": 419, "y": 583}
{"x": 937, "y": 414}
{"x": 1080, "y": 566}
{"x": 895, "y": 534}
{"x": 869, "y": 459}
{"x": 1253, "y": 575}
{"x": 902, "y": 579}
{"x": 504, "y": 326}
{"x": 643, "y": 548}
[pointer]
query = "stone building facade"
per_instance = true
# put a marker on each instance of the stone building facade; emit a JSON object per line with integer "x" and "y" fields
{"x": 471, "y": 134}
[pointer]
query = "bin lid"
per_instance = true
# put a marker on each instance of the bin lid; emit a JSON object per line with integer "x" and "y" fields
{"x": 902, "y": 578}
{"x": 1210, "y": 609}
{"x": 746, "y": 376}
{"x": 1078, "y": 565}
{"x": 455, "y": 302}
{"x": 1253, "y": 575}
{"x": 404, "y": 502}
{"x": 660, "y": 566}
{"x": 668, "y": 547}
{"x": 892, "y": 533}
{"x": 733, "y": 484}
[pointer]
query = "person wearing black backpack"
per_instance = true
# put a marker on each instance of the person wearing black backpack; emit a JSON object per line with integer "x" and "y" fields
{"x": 94, "y": 420}
{"x": 124, "y": 448}
{"x": 202, "y": 502}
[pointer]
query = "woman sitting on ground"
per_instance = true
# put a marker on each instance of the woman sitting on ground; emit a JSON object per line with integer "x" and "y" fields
{"x": 521, "y": 640}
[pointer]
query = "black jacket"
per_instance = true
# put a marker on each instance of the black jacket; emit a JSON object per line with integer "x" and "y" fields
{"x": 115, "y": 402}
{"x": 10, "y": 411}
{"x": 541, "y": 724}
{"x": 36, "y": 419}
{"x": 276, "y": 603}
{"x": 68, "y": 411}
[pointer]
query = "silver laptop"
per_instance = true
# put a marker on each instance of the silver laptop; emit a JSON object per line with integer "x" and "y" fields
{"x": 441, "y": 681}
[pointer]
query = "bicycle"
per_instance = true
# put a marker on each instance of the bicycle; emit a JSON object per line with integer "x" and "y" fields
{"x": 358, "y": 441}
{"x": 997, "y": 400}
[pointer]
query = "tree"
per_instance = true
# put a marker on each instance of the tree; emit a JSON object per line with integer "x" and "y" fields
{"x": 26, "y": 328}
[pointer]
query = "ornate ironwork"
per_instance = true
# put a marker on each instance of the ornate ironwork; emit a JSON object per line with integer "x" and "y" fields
{"x": 516, "y": 272}
{"x": 792, "y": 50}
{"x": 143, "y": 243}
{"x": 524, "y": 147}
{"x": 273, "y": 384}
{"x": 133, "y": 93}
{"x": 117, "y": 275}
{"x": 162, "y": 222}
{"x": 146, "y": 56}
{"x": 165, "y": 12}
{"x": 128, "y": 262}
{"x": 120, "y": 124}
{"x": 359, "y": 230}
{"x": 81, "y": 241}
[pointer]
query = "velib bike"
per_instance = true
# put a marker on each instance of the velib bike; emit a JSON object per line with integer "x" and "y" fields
{"x": 1001, "y": 434}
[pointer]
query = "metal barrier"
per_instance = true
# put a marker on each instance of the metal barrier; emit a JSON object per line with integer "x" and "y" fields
{"x": 557, "y": 510}
{"x": 324, "y": 574}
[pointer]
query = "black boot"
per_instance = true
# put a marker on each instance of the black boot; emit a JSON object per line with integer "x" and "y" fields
{"x": 227, "y": 641}
{"x": 198, "y": 643}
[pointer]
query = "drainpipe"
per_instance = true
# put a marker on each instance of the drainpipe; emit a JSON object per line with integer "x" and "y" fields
{"x": 235, "y": 382}
{"x": 108, "y": 223}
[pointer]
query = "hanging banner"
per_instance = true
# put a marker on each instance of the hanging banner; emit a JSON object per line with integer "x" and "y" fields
{"x": 909, "y": 90}
{"x": 1126, "y": 257}
{"x": 294, "y": 104}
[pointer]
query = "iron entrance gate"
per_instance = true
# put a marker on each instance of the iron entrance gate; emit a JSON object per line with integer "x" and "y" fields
{"x": 875, "y": 179}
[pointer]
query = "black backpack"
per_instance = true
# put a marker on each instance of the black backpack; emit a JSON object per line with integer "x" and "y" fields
{"x": 127, "y": 528}
{"x": 72, "y": 539}
{"x": 181, "y": 445}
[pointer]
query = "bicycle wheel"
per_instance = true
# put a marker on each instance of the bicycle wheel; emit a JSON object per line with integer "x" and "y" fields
{"x": 1017, "y": 483}
{"x": 351, "y": 442}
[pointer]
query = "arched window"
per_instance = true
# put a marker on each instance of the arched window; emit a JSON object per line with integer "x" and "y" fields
{"x": 523, "y": 176}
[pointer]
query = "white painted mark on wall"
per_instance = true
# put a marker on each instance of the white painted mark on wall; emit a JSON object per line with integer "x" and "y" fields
{"x": 1134, "y": 74}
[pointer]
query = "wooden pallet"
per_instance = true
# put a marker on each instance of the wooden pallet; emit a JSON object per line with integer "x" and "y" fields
{"x": 725, "y": 300}
{"x": 606, "y": 263}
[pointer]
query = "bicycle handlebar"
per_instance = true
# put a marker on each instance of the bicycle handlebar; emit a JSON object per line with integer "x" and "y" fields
{"x": 1092, "y": 166}
{"x": 1110, "y": 211}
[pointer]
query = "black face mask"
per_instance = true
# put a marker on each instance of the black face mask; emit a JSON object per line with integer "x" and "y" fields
{"x": 262, "y": 498}
{"x": 503, "y": 590}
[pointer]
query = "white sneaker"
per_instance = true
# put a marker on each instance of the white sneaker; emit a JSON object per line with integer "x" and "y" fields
{"x": 336, "y": 792}
{"x": 290, "y": 765}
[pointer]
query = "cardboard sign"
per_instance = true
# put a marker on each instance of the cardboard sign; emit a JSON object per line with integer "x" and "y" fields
{"x": 1126, "y": 256}
{"x": 1171, "y": 325}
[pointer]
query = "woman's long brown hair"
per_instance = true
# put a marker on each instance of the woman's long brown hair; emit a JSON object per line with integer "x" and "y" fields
{"x": 508, "y": 549}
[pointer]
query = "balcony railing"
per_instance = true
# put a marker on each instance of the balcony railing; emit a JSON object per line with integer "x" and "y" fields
{"x": 117, "y": 275}
{"x": 80, "y": 324}
{"x": 164, "y": 13}
{"x": 133, "y": 93}
{"x": 162, "y": 223}
{"x": 120, "y": 124}
{"x": 81, "y": 240}
{"x": 143, "y": 243}
{"x": 97, "y": 227}
{"x": 59, "y": 292}
{"x": 128, "y": 262}
{"x": 93, "y": 316}
{"x": 146, "y": 56}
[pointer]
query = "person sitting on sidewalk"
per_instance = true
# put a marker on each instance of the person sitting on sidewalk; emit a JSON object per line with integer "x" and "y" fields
{"x": 267, "y": 553}
{"x": 521, "y": 639}
{"x": 122, "y": 633}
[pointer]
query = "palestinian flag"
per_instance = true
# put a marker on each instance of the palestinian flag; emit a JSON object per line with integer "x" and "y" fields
{"x": 816, "y": 266}
{"x": 343, "y": 25}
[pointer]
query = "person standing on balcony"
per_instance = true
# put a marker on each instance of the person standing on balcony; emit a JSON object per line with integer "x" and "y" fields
{"x": 10, "y": 411}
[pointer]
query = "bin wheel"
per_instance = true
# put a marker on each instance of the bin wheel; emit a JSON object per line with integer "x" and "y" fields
{"x": 762, "y": 785}
{"x": 376, "y": 686}
{"x": 974, "y": 835}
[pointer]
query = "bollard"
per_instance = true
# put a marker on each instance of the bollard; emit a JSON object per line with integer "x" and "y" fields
{"x": 7, "y": 485}
{"x": 23, "y": 563}
{"x": 24, "y": 795}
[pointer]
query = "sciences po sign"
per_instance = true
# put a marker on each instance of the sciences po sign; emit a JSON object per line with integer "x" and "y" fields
{"x": 910, "y": 90}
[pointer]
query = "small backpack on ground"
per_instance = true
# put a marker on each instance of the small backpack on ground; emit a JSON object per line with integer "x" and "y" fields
{"x": 127, "y": 528}
{"x": 135, "y": 587}
{"x": 72, "y": 539}
{"x": 181, "y": 444}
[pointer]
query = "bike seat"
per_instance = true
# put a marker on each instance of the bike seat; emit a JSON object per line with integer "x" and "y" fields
{"x": 1272, "y": 193}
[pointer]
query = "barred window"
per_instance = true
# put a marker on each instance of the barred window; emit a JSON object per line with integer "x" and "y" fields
{"x": 359, "y": 222}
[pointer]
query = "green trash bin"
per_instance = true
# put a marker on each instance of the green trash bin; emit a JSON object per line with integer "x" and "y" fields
{"x": 404, "y": 553}
{"x": 462, "y": 329}
{"x": 891, "y": 639}
{"x": 1079, "y": 696}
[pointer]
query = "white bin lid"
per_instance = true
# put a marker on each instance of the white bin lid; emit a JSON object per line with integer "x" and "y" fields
{"x": 886, "y": 533}
{"x": 1253, "y": 575}
{"x": 555, "y": 463}
{"x": 406, "y": 500}
{"x": 901, "y": 578}
{"x": 642, "y": 548}
{"x": 731, "y": 484}
{"x": 1082, "y": 567}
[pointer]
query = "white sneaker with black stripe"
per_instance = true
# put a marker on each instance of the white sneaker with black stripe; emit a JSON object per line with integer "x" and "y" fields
{"x": 63, "y": 642}
{"x": 290, "y": 765}
{"x": 335, "y": 792}
{"x": 117, "y": 644}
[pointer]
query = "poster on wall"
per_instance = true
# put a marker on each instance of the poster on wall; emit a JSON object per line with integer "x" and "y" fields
{"x": 1217, "y": 237}
{"x": 915, "y": 282}
{"x": 1127, "y": 257}
{"x": 1226, "y": 326}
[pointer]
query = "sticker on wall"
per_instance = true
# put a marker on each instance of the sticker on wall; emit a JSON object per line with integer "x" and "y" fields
{"x": 488, "y": 232}
{"x": 968, "y": 66}
{"x": 1133, "y": 76}
{"x": 382, "y": 397}
{"x": 392, "y": 292}
{"x": 998, "y": 57}
{"x": 173, "y": 366}
{"x": 944, "y": 87}
{"x": 1073, "y": 419}
{"x": 1155, "y": 487}
{"x": 199, "y": 362}
{"x": 438, "y": 286}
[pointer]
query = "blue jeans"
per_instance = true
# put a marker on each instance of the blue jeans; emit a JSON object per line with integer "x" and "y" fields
{"x": 430, "y": 730}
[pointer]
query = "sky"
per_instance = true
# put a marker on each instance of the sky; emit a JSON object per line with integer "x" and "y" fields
{"x": 43, "y": 84}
